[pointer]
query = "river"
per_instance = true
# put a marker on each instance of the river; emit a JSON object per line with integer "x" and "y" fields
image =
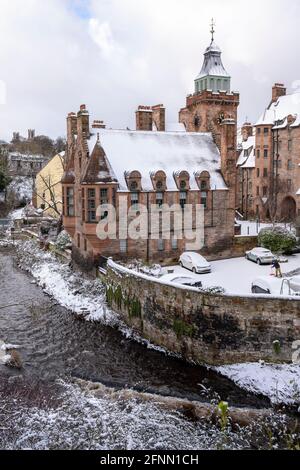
{"x": 53, "y": 343}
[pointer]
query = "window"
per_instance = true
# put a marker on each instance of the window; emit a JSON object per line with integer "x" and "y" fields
{"x": 91, "y": 205}
{"x": 258, "y": 153}
{"x": 258, "y": 172}
{"x": 257, "y": 191}
{"x": 265, "y": 191}
{"x": 203, "y": 185}
{"x": 258, "y": 130}
{"x": 103, "y": 196}
{"x": 83, "y": 204}
{"x": 183, "y": 198}
{"x": 159, "y": 199}
{"x": 289, "y": 185}
{"x": 266, "y": 130}
{"x": 134, "y": 197}
{"x": 279, "y": 164}
{"x": 290, "y": 165}
{"x": 133, "y": 186}
{"x": 182, "y": 184}
{"x": 159, "y": 185}
{"x": 174, "y": 244}
{"x": 123, "y": 246}
{"x": 85, "y": 245}
{"x": 290, "y": 145}
{"x": 70, "y": 202}
{"x": 204, "y": 199}
{"x": 161, "y": 245}
{"x": 266, "y": 153}
{"x": 265, "y": 172}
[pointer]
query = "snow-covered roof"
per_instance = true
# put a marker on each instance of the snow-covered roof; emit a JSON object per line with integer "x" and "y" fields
{"x": 26, "y": 157}
{"x": 278, "y": 111}
{"x": 213, "y": 63}
{"x": 171, "y": 152}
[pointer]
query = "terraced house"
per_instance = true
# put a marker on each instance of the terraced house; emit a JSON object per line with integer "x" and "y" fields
{"x": 191, "y": 162}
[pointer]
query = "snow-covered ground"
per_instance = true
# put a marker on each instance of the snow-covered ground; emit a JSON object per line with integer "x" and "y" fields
{"x": 281, "y": 383}
{"x": 235, "y": 275}
{"x": 22, "y": 188}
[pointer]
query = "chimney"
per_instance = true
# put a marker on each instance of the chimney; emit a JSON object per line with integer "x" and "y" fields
{"x": 98, "y": 125}
{"x": 144, "y": 118}
{"x": 83, "y": 121}
{"x": 278, "y": 90}
{"x": 159, "y": 117}
{"x": 247, "y": 131}
{"x": 71, "y": 127}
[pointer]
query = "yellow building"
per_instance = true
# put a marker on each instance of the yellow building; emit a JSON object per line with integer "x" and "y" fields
{"x": 48, "y": 187}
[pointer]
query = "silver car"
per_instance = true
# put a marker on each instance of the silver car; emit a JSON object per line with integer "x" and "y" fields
{"x": 260, "y": 256}
{"x": 194, "y": 262}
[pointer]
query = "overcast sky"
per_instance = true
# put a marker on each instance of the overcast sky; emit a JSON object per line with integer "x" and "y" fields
{"x": 116, "y": 54}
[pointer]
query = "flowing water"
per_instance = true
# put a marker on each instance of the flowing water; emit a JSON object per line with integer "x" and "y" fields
{"x": 53, "y": 343}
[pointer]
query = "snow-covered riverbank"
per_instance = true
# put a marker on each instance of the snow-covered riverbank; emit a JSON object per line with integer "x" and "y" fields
{"x": 281, "y": 384}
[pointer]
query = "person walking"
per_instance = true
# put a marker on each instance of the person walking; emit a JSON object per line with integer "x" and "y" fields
{"x": 277, "y": 267}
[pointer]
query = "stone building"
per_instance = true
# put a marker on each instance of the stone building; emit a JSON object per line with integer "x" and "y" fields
{"x": 193, "y": 162}
{"x": 246, "y": 171}
{"x": 25, "y": 165}
{"x": 275, "y": 180}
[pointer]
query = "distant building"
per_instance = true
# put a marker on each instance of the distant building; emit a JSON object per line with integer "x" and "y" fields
{"x": 48, "y": 187}
{"x": 25, "y": 165}
{"x": 192, "y": 162}
{"x": 274, "y": 161}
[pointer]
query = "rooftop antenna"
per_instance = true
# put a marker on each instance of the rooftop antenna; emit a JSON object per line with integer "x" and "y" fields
{"x": 213, "y": 24}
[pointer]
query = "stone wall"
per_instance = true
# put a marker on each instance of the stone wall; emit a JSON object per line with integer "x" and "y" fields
{"x": 202, "y": 327}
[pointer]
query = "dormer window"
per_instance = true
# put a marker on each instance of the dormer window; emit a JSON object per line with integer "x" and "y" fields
{"x": 133, "y": 186}
{"x": 182, "y": 179}
{"x": 134, "y": 181}
{"x": 159, "y": 181}
{"x": 183, "y": 184}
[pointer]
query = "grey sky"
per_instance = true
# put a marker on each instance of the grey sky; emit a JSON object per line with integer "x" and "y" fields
{"x": 116, "y": 54}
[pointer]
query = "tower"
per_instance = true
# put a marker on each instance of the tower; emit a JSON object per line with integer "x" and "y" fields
{"x": 212, "y": 100}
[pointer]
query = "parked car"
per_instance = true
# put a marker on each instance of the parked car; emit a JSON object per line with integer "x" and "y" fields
{"x": 275, "y": 286}
{"x": 181, "y": 280}
{"x": 295, "y": 284}
{"x": 194, "y": 262}
{"x": 260, "y": 256}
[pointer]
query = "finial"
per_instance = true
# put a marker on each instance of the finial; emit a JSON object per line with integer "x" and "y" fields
{"x": 213, "y": 24}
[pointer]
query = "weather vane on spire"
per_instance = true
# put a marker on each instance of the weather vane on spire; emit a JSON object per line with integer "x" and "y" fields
{"x": 213, "y": 24}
